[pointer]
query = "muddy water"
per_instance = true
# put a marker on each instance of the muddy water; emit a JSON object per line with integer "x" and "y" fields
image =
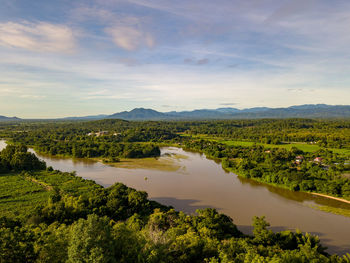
{"x": 199, "y": 182}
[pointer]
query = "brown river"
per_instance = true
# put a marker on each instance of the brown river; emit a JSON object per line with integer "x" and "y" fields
{"x": 193, "y": 181}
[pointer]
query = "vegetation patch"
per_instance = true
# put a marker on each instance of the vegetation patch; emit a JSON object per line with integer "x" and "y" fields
{"x": 18, "y": 196}
{"x": 169, "y": 163}
{"x": 288, "y": 146}
{"x": 333, "y": 210}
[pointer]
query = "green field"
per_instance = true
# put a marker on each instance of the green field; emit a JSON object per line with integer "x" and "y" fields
{"x": 67, "y": 183}
{"x": 19, "y": 194}
{"x": 302, "y": 146}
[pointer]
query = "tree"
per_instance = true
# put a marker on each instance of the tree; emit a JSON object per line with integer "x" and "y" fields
{"x": 91, "y": 240}
{"x": 16, "y": 245}
{"x": 261, "y": 234}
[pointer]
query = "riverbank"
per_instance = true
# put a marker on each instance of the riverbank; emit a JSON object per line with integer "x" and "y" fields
{"x": 331, "y": 197}
{"x": 333, "y": 210}
{"x": 287, "y": 188}
{"x": 170, "y": 164}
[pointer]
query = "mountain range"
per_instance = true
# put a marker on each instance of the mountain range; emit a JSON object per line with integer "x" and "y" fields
{"x": 4, "y": 118}
{"x": 301, "y": 111}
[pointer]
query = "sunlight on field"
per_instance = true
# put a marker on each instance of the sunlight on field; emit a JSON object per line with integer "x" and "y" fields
{"x": 302, "y": 146}
{"x": 168, "y": 162}
{"x": 18, "y": 196}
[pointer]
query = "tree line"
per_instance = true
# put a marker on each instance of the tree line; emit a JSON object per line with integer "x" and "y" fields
{"x": 325, "y": 133}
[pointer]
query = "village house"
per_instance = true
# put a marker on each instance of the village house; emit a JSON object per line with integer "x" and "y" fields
{"x": 318, "y": 160}
{"x": 299, "y": 159}
{"x": 100, "y": 133}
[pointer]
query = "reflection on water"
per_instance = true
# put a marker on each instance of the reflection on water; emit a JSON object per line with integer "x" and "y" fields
{"x": 203, "y": 183}
{"x": 186, "y": 205}
{"x": 296, "y": 196}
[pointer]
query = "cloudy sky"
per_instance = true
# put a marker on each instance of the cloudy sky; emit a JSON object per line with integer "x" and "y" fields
{"x": 85, "y": 57}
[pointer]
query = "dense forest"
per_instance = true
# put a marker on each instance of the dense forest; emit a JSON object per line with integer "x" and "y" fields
{"x": 81, "y": 221}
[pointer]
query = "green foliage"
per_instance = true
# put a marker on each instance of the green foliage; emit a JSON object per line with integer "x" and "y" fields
{"x": 16, "y": 158}
{"x": 91, "y": 241}
{"x": 16, "y": 245}
{"x": 215, "y": 225}
{"x": 324, "y": 133}
{"x": 19, "y": 196}
{"x": 51, "y": 243}
{"x": 261, "y": 234}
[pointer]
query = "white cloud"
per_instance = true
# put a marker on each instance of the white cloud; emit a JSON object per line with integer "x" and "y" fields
{"x": 8, "y": 91}
{"x": 104, "y": 94}
{"x": 31, "y": 96}
{"x": 287, "y": 54}
{"x": 41, "y": 36}
{"x": 130, "y": 38}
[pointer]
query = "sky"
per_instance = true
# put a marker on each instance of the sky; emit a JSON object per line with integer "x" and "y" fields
{"x": 86, "y": 57}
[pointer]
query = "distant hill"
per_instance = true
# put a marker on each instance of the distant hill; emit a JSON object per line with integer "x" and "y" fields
{"x": 302, "y": 111}
{"x": 139, "y": 114}
{"x": 4, "y": 118}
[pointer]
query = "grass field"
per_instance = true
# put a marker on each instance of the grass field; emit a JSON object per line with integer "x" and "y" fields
{"x": 66, "y": 182}
{"x": 19, "y": 195}
{"x": 302, "y": 146}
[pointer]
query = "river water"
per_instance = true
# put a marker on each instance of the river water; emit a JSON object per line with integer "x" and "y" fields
{"x": 197, "y": 182}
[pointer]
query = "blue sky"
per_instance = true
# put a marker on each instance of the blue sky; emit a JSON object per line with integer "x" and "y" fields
{"x": 74, "y": 58}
